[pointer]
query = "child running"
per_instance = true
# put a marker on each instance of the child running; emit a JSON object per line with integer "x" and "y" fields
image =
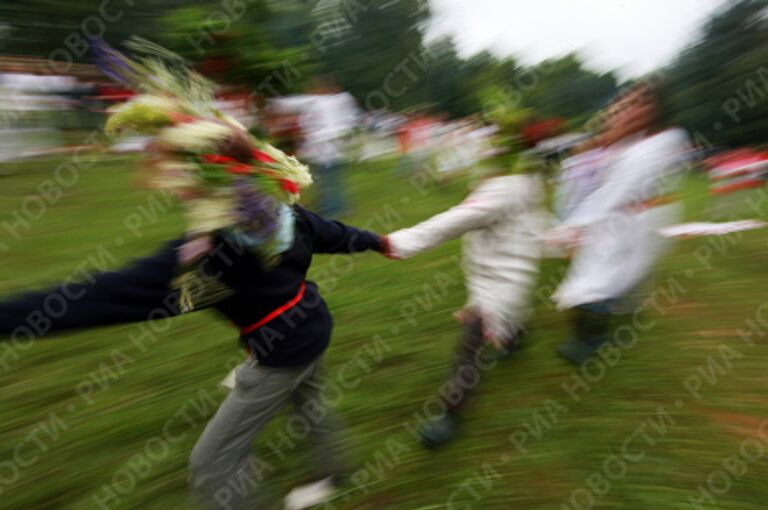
{"x": 501, "y": 222}
{"x": 616, "y": 227}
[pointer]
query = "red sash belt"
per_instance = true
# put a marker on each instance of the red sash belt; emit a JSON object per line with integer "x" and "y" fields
{"x": 276, "y": 312}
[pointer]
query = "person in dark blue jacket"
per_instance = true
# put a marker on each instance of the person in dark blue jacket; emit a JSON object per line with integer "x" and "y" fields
{"x": 285, "y": 327}
{"x": 246, "y": 252}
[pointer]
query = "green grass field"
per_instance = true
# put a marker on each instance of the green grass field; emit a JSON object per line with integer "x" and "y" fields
{"x": 107, "y": 418}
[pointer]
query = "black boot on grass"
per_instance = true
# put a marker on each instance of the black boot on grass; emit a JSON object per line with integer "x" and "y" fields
{"x": 592, "y": 326}
{"x": 440, "y": 430}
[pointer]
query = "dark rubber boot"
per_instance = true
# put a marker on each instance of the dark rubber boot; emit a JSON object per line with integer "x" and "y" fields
{"x": 592, "y": 326}
{"x": 440, "y": 431}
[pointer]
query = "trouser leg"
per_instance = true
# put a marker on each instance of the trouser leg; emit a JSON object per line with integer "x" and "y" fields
{"x": 330, "y": 189}
{"x": 314, "y": 414}
{"x": 592, "y": 327}
{"x": 592, "y": 323}
{"x": 465, "y": 374}
{"x": 223, "y": 475}
{"x": 469, "y": 364}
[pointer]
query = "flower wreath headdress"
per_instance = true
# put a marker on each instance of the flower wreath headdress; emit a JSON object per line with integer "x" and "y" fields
{"x": 233, "y": 185}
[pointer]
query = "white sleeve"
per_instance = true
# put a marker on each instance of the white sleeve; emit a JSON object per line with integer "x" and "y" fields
{"x": 637, "y": 176}
{"x": 480, "y": 209}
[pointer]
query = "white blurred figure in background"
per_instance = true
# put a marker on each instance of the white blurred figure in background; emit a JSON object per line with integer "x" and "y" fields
{"x": 237, "y": 103}
{"x": 326, "y": 118}
{"x": 462, "y": 145}
{"x": 28, "y": 107}
{"x": 378, "y": 139}
{"x": 329, "y": 116}
{"x": 616, "y": 228}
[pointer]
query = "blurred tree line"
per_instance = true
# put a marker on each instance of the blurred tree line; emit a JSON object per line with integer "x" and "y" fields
{"x": 378, "y": 51}
{"x": 718, "y": 87}
{"x": 375, "y": 49}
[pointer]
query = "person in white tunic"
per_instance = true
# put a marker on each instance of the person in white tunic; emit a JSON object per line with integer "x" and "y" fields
{"x": 580, "y": 175}
{"x": 501, "y": 222}
{"x": 327, "y": 117}
{"x": 617, "y": 226}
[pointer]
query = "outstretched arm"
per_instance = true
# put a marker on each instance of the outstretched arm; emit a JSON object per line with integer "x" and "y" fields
{"x": 479, "y": 210}
{"x": 335, "y": 237}
{"x": 139, "y": 292}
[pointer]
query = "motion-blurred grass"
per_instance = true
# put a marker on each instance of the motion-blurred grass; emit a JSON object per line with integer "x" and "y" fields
{"x": 78, "y": 409}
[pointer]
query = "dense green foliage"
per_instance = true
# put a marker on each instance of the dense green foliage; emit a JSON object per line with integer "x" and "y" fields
{"x": 719, "y": 86}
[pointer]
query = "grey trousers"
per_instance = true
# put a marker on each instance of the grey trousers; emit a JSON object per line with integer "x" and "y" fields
{"x": 223, "y": 473}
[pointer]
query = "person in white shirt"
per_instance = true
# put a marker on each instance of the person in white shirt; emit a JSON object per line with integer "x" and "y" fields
{"x": 617, "y": 226}
{"x": 327, "y": 119}
{"x": 500, "y": 223}
{"x": 580, "y": 175}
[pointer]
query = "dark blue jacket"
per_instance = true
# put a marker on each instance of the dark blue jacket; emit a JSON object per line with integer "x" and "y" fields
{"x": 142, "y": 291}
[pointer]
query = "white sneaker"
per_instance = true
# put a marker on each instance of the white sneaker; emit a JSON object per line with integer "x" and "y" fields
{"x": 311, "y": 494}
